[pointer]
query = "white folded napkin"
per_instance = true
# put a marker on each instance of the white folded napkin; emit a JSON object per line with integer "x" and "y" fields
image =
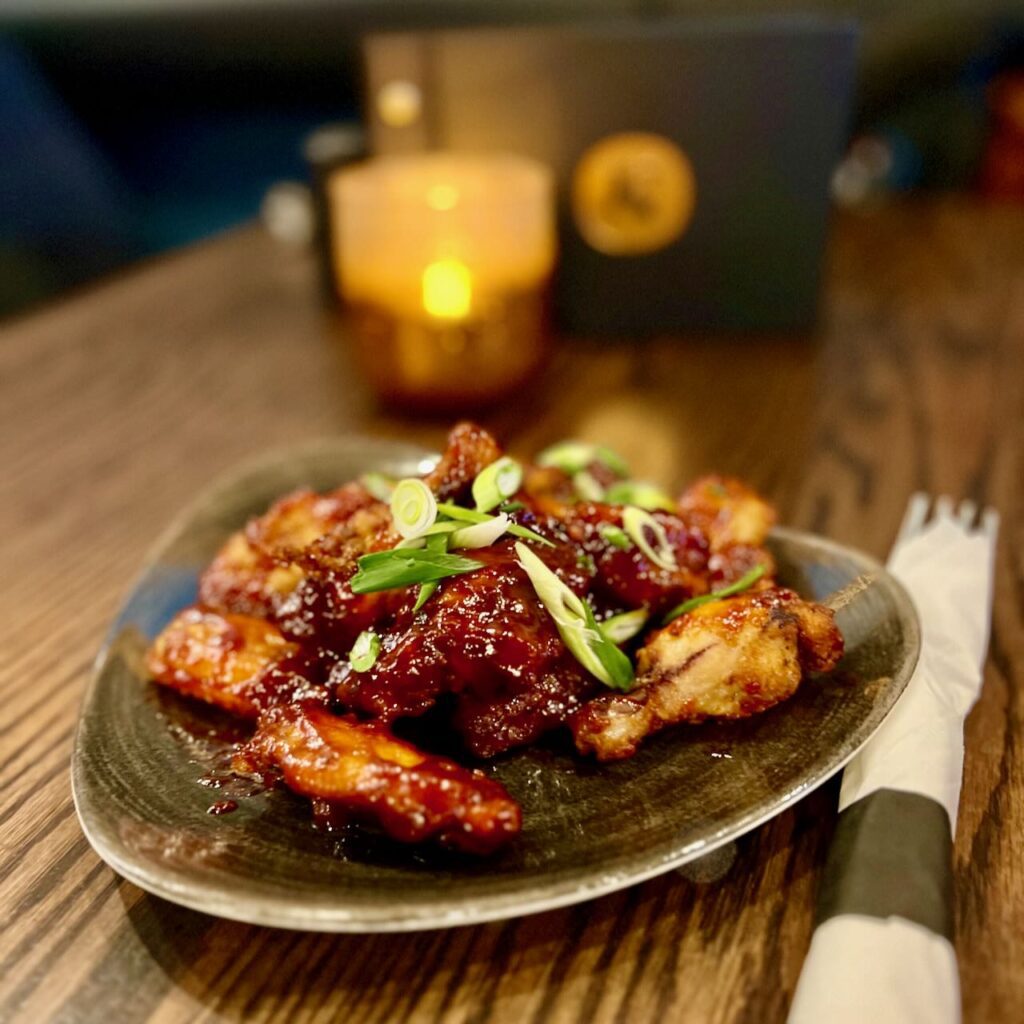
{"x": 882, "y": 949}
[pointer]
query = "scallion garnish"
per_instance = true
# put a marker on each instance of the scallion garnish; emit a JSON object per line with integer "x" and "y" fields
{"x": 426, "y": 589}
{"x": 573, "y": 456}
{"x": 613, "y": 460}
{"x": 480, "y": 535}
{"x": 413, "y": 507}
{"x": 435, "y": 542}
{"x": 568, "y": 456}
{"x": 624, "y": 626}
{"x": 379, "y": 485}
{"x": 364, "y": 651}
{"x": 640, "y": 494}
{"x": 511, "y": 506}
{"x": 615, "y": 535}
{"x": 438, "y": 529}
{"x": 495, "y": 483}
{"x": 574, "y": 619}
{"x": 467, "y": 515}
{"x": 639, "y": 523}
{"x": 743, "y": 583}
{"x": 402, "y": 567}
{"x": 587, "y": 487}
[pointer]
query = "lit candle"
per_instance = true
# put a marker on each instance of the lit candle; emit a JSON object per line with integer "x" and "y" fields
{"x": 443, "y": 262}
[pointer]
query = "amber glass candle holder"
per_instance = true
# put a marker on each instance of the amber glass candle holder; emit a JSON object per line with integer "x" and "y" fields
{"x": 443, "y": 264}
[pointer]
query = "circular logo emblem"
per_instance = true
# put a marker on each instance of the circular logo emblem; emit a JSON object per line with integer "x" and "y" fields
{"x": 633, "y": 193}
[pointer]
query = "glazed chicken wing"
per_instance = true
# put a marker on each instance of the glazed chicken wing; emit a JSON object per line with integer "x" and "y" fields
{"x": 363, "y": 770}
{"x": 257, "y": 568}
{"x": 726, "y": 511}
{"x": 494, "y": 652}
{"x": 244, "y": 581}
{"x": 725, "y": 659}
{"x": 485, "y": 638}
{"x": 735, "y": 519}
{"x": 240, "y": 663}
{"x": 469, "y": 450}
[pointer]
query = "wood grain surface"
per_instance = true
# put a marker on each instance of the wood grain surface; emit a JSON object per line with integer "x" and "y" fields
{"x": 118, "y": 403}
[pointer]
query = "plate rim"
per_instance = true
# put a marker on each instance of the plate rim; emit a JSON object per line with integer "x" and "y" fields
{"x": 272, "y": 911}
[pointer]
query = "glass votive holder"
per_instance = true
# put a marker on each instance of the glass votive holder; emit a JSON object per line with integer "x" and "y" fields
{"x": 444, "y": 262}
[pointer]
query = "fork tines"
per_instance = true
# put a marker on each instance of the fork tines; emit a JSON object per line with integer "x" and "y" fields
{"x": 967, "y": 514}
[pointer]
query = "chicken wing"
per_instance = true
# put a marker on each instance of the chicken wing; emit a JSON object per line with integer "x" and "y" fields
{"x": 469, "y": 450}
{"x": 244, "y": 581}
{"x": 240, "y": 663}
{"x": 626, "y": 578}
{"x": 725, "y": 659}
{"x": 365, "y": 771}
{"x": 257, "y": 569}
{"x": 485, "y": 638}
{"x": 726, "y": 511}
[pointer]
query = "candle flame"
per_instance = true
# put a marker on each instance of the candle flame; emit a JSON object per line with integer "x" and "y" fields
{"x": 447, "y": 289}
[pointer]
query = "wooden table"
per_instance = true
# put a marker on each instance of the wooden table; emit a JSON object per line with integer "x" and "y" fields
{"x": 118, "y": 403}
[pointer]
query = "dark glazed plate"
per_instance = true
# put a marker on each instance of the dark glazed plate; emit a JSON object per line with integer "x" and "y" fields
{"x": 587, "y": 830}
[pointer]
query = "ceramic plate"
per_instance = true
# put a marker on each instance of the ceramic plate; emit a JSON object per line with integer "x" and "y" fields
{"x": 140, "y": 751}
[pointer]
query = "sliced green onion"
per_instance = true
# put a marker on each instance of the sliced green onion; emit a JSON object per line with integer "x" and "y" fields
{"x": 587, "y": 487}
{"x": 467, "y": 515}
{"x": 500, "y": 480}
{"x": 386, "y": 570}
{"x": 438, "y": 529}
{"x": 637, "y": 522}
{"x": 527, "y": 534}
{"x": 380, "y": 485}
{"x": 437, "y": 541}
{"x": 426, "y": 589}
{"x": 480, "y": 535}
{"x": 413, "y": 507}
{"x": 613, "y": 460}
{"x": 624, "y": 626}
{"x": 511, "y": 506}
{"x": 568, "y": 456}
{"x": 364, "y": 651}
{"x": 639, "y": 493}
{"x": 464, "y": 515}
{"x": 743, "y": 583}
{"x": 573, "y": 456}
{"x": 574, "y": 619}
{"x": 410, "y": 543}
{"x": 615, "y": 535}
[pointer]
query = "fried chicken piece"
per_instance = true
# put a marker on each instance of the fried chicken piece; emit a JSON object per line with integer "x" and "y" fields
{"x": 726, "y": 511}
{"x": 244, "y": 581}
{"x": 726, "y": 659}
{"x": 470, "y": 449}
{"x": 323, "y": 613}
{"x": 256, "y": 569}
{"x": 365, "y": 771}
{"x": 486, "y": 638}
{"x": 294, "y": 522}
{"x": 238, "y": 662}
{"x": 550, "y": 491}
{"x": 626, "y": 579}
{"x": 734, "y": 561}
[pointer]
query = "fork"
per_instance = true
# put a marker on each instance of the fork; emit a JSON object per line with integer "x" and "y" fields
{"x": 882, "y": 946}
{"x": 966, "y": 514}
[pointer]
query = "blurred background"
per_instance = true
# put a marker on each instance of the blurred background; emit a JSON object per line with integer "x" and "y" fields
{"x": 130, "y": 127}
